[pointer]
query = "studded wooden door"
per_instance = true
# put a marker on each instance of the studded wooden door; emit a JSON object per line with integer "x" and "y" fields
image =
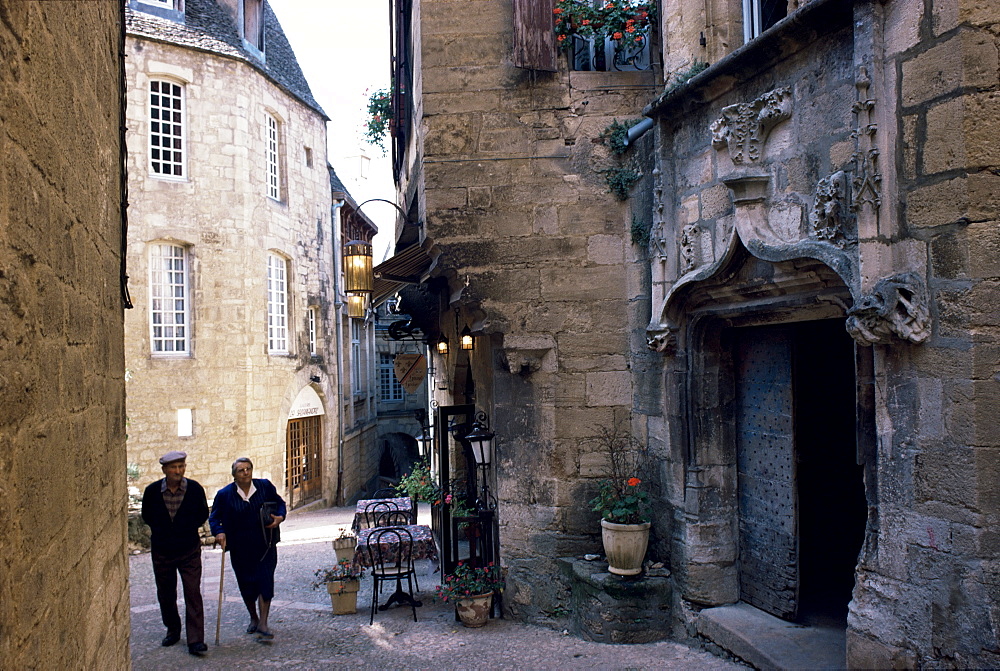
{"x": 303, "y": 468}
{"x": 765, "y": 450}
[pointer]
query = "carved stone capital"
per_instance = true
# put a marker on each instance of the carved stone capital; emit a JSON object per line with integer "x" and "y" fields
{"x": 744, "y": 127}
{"x": 897, "y": 306}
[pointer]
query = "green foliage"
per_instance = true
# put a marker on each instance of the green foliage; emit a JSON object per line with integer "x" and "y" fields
{"x": 616, "y": 134}
{"x": 640, "y": 232}
{"x": 621, "y": 20}
{"x": 419, "y": 484}
{"x": 469, "y": 581}
{"x": 620, "y": 499}
{"x": 379, "y": 117}
{"x": 620, "y": 180}
{"x": 342, "y": 570}
{"x": 680, "y": 77}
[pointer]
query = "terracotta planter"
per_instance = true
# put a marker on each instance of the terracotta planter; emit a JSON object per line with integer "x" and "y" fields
{"x": 625, "y": 546}
{"x": 344, "y": 596}
{"x": 474, "y": 611}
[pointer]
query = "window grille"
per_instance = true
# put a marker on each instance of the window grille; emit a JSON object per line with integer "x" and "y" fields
{"x": 312, "y": 331}
{"x": 277, "y": 305}
{"x": 390, "y": 390}
{"x": 168, "y": 294}
{"x": 166, "y": 128}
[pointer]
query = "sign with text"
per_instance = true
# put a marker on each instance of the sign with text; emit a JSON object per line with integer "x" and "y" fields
{"x": 411, "y": 369}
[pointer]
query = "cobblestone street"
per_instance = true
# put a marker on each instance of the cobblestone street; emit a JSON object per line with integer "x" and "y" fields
{"x": 308, "y": 636}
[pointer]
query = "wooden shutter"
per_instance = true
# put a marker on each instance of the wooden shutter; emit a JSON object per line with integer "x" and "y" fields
{"x": 534, "y": 40}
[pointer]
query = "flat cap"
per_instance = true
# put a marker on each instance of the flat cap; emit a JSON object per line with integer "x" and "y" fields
{"x": 173, "y": 455}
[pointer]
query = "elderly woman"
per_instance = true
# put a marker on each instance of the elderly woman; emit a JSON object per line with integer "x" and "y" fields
{"x": 245, "y": 519}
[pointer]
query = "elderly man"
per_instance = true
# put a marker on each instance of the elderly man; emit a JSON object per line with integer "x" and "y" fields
{"x": 175, "y": 508}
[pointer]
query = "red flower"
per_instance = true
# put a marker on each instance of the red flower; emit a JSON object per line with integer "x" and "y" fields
{"x": 616, "y": 35}
{"x": 586, "y": 22}
{"x": 643, "y": 15}
{"x": 638, "y": 40}
{"x": 630, "y": 22}
{"x": 630, "y": 29}
{"x": 610, "y": 5}
{"x": 557, "y": 10}
{"x": 633, "y": 482}
{"x": 560, "y": 38}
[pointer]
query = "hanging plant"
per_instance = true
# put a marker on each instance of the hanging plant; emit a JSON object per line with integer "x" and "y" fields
{"x": 379, "y": 117}
{"x": 624, "y": 21}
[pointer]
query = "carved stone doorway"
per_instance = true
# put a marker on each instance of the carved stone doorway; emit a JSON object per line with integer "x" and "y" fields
{"x": 800, "y": 489}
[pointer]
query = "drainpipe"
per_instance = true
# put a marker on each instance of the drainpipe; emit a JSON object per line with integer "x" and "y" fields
{"x": 636, "y": 131}
{"x": 338, "y": 304}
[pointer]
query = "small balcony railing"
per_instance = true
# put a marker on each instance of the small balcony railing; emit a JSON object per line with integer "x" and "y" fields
{"x": 590, "y": 55}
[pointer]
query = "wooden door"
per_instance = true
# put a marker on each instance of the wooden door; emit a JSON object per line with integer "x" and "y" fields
{"x": 304, "y": 461}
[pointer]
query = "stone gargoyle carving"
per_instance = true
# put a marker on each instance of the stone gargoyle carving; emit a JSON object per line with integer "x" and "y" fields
{"x": 664, "y": 342}
{"x": 744, "y": 126}
{"x": 896, "y": 306}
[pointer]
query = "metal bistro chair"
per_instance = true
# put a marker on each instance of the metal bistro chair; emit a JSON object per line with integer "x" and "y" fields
{"x": 395, "y": 518}
{"x": 376, "y": 508}
{"x": 390, "y": 555}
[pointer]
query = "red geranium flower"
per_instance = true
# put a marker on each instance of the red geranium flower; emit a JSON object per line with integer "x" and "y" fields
{"x": 632, "y": 482}
{"x": 630, "y": 29}
{"x": 560, "y": 38}
{"x": 586, "y": 22}
{"x": 557, "y": 10}
{"x": 616, "y": 36}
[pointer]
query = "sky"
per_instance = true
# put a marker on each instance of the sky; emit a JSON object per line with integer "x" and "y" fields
{"x": 342, "y": 47}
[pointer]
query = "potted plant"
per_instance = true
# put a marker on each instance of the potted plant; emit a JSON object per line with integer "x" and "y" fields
{"x": 342, "y": 580}
{"x": 379, "y": 123}
{"x": 622, "y": 501}
{"x": 419, "y": 484}
{"x": 344, "y": 545}
{"x": 627, "y": 22}
{"x": 471, "y": 589}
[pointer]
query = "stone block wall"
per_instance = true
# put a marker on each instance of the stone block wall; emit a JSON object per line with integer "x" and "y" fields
{"x": 63, "y": 563}
{"x": 540, "y": 255}
{"x": 240, "y": 395}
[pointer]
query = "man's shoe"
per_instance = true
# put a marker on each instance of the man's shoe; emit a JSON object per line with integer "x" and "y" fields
{"x": 170, "y": 639}
{"x": 197, "y": 648}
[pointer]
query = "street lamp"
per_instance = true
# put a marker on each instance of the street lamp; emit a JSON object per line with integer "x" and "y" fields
{"x": 442, "y": 345}
{"x": 481, "y": 440}
{"x": 467, "y": 342}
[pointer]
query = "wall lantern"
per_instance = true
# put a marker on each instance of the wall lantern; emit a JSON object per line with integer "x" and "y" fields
{"x": 441, "y": 345}
{"x": 357, "y": 305}
{"x": 481, "y": 440}
{"x": 358, "y": 267}
{"x": 467, "y": 342}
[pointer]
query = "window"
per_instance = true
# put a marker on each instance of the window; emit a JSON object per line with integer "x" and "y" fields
{"x": 166, "y": 128}
{"x": 273, "y": 175}
{"x": 277, "y": 305}
{"x": 185, "y": 423}
{"x": 312, "y": 331}
{"x": 390, "y": 390}
{"x": 253, "y": 23}
{"x": 168, "y": 296}
{"x": 309, "y": 157}
{"x": 356, "y": 328}
{"x": 759, "y": 15}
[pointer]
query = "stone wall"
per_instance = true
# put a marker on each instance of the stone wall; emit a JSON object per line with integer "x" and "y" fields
{"x": 240, "y": 394}
{"x": 899, "y": 97}
{"x": 541, "y": 265}
{"x": 63, "y": 563}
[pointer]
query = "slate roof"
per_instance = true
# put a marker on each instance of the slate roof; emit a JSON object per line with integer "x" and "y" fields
{"x": 209, "y": 28}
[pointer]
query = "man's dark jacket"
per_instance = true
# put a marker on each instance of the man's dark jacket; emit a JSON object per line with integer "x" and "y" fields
{"x": 173, "y": 537}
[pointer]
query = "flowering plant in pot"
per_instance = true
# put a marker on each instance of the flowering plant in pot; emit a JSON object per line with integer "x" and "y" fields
{"x": 419, "y": 484}
{"x": 342, "y": 580}
{"x": 621, "y": 500}
{"x": 471, "y": 589}
{"x": 379, "y": 117}
{"x": 625, "y": 21}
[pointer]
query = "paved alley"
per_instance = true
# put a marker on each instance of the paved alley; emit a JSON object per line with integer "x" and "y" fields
{"x": 308, "y": 636}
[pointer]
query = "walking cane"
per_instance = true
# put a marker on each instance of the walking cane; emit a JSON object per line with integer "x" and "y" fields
{"x": 222, "y": 578}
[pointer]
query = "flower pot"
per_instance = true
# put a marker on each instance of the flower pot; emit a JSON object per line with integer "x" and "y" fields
{"x": 344, "y": 595}
{"x": 474, "y": 611}
{"x": 344, "y": 547}
{"x": 625, "y": 546}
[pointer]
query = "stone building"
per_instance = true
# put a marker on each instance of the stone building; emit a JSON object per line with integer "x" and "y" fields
{"x": 807, "y": 342}
{"x": 63, "y": 562}
{"x": 237, "y": 342}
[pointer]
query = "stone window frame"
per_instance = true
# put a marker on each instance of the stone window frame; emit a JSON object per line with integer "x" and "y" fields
{"x": 176, "y": 135}
{"x": 389, "y": 388}
{"x": 272, "y": 156}
{"x": 157, "y": 282}
{"x": 277, "y": 303}
{"x": 753, "y": 18}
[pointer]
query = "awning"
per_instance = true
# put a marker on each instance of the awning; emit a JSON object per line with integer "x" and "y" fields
{"x": 409, "y": 266}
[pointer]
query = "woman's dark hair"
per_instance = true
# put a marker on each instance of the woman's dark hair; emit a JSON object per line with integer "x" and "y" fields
{"x": 245, "y": 460}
